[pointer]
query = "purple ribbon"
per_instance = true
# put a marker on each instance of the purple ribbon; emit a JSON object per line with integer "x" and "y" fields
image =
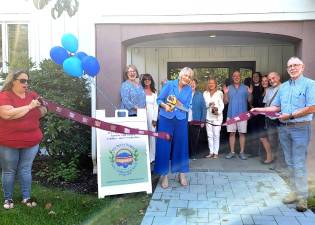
{"x": 92, "y": 122}
{"x": 241, "y": 117}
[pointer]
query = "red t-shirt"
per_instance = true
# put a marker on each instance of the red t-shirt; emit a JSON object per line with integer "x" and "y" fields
{"x": 23, "y": 132}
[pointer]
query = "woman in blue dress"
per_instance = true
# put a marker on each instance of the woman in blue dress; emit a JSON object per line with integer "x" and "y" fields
{"x": 173, "y": 120}
{"x": 131, "y": 91}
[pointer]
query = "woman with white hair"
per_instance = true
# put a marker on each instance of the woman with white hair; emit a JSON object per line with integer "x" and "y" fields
{"x": 174, "y": 101}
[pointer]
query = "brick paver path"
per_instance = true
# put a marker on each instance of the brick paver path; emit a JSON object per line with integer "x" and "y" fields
{"x": 225, "y": 198}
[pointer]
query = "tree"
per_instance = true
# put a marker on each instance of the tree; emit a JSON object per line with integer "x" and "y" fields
{"x": 70, "y": 6}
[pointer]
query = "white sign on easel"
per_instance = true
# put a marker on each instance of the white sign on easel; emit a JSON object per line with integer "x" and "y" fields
{"x": 123, "y": 164}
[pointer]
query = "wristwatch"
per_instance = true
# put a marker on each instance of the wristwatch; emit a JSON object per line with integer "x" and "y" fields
{"x": 291, "y": 117}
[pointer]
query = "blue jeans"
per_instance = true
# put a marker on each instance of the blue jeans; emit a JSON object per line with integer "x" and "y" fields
{"x": 17, "y": 161}
{"x": 294, "y": 142}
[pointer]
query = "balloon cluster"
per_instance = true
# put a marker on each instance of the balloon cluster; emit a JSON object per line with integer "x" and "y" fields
{"x": 74, "y": 63}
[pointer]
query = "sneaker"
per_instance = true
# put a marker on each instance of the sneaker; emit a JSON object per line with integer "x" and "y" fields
{"x": 290, "y": 198}
{"x": 242, "y": 156}
{"x": 29, "y": 202}
{"x": 301, "y": 205}
{"x": 230, "y": 155}
{"x": 8, "y": 204}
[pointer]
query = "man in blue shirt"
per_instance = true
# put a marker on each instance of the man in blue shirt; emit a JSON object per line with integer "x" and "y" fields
{"x": 296, "y": 101}
{"x": 237, "y": 95}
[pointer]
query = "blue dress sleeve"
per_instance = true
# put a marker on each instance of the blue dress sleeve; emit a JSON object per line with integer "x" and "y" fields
{"x": 164, "y": 93}
{"x": 186, "y": 101}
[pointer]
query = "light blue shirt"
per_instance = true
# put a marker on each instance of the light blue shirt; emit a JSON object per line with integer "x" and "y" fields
{"x": 294, "y": 95}
{"x": 184, "y": 96}
{"x": 132, "y": 96}
{"x": 238, "y": 98}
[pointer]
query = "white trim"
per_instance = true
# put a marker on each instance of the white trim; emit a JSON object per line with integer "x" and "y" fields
{"x": 206, "y": 18}
{"x": 3, "y": 35}
{"x": 204, "y": 46}
{"x": 12, "y": 17}
{"x": 93, "y": 102}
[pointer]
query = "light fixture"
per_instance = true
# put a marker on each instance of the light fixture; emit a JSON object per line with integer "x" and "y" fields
{"x": 212, "y": 35}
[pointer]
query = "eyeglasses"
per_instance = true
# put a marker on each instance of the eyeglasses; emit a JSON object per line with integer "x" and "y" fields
{"x": 293, "y": 66}
{"x": 146, "y": 79}
{"x": 24, "y": 81}
{"x": 131, "y": 71}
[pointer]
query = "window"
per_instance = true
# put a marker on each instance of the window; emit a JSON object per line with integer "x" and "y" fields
{"x": 14, "y": 45}
{"x": 222, "y": 71}
{"x": 17, "y": 43}
{"x": 246, "y": 72}
{"x": 202, "y": 74}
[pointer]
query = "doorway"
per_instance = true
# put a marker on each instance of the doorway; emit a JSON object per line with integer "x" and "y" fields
{"x": 222, "y": 71}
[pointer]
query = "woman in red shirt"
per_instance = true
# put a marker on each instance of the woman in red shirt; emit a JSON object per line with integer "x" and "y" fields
{"x": 20, "y": 135}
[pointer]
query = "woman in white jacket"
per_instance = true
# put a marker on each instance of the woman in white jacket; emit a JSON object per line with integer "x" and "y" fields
{"x": 152, "y": 109}
{"x": 215, "y": 106}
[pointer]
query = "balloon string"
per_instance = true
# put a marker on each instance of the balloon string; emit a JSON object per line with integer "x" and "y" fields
{"x": 91, "y": 81}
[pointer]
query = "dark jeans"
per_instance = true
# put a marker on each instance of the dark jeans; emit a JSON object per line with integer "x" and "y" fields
{"x": 193, "y": 139}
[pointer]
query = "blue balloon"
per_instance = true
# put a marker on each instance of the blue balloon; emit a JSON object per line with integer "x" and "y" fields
{"x": 58, "y": 54}
{"x": 91, "y": 66}
{"x": 70, "y": 42}
{"x": 81, "y": 55}
{"x": 73, "y": 66}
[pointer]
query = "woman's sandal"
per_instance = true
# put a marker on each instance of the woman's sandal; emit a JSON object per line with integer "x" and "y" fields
{"x": 8, "y": 204}
{"x": 182, "y": 179}
{"x": 164, "y": 182}
{"x": 209, "y": 156}
{"x": 267, "y": 162}
{"x": 215, "y": 156}
{"x": 29, "y": 202}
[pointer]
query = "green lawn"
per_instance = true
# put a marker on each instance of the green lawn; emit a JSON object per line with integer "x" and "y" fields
{"x": 64, "y": 207}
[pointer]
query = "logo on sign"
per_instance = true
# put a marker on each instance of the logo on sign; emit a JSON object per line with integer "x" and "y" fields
{"x": 124, "y": 158}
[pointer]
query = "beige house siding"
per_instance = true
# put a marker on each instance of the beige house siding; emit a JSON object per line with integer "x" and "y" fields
{"x": 154, "y": 60}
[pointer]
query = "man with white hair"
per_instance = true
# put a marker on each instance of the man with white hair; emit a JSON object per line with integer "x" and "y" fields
{"x": 296, "y": 101}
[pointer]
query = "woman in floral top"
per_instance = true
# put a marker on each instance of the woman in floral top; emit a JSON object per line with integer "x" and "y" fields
{"x": 131, "y": 92}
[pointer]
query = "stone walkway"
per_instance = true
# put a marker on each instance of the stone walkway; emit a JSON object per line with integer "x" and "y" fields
{"x": 225, "y": 198}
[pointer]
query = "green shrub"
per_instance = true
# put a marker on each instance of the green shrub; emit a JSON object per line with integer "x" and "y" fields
{"x": 65, "y": 140}
{"x": 58, "y": 170}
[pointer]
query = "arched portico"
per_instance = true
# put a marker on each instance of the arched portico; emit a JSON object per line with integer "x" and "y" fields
{"x": 112, "y": 41}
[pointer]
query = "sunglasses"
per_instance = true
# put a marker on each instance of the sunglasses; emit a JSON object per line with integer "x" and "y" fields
{"x": 24, "y": 81}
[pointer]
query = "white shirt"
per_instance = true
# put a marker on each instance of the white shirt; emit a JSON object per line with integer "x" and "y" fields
{"x": 217, "y": 100}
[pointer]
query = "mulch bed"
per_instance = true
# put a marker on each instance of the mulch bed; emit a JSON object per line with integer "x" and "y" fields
{"x": 85, "y": 184}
